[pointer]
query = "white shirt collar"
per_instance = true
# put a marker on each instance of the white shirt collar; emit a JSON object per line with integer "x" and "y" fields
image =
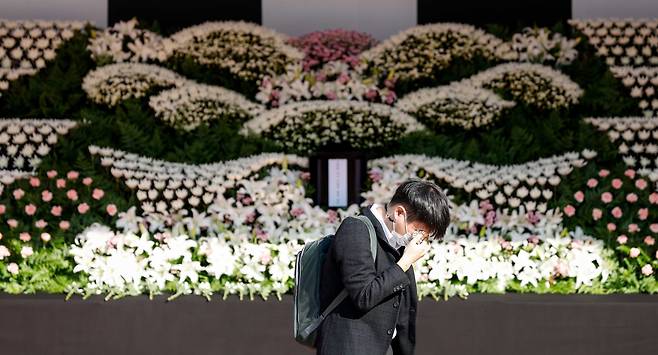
{"x": 375, "y": 209}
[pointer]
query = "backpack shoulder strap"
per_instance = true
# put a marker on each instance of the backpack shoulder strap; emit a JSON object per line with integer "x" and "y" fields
{"x": 373, "y": 248}
{"x": 371, "y": 233}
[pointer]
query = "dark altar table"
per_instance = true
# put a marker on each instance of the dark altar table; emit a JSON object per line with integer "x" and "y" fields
{"x": 483, "y": 324}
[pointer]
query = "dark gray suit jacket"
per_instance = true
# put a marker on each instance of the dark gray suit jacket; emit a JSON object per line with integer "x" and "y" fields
{"x": 380, "y": 295}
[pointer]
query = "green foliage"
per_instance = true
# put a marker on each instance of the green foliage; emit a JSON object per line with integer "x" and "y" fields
{"x": 55, "y": 91}
{"x": 212, "y": 75}
{"x": 524, "y": 133}
{"x": 49, "y": 269}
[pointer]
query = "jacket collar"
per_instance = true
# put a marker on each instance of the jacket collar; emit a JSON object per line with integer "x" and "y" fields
{"x": 381, "y": 234}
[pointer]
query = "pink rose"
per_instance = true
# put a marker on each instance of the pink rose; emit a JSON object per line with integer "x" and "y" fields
{"x": 641, "y": 184}
{"x": 579, "y": 196}
{"x": 616, "y": 183}
{"x": 654, "y": 227}
{"x": 26, "y": 251}
{"x": 12, "y": 223}
{"x": 51, "y": 173}
{"x": 653, "y": 198}
{"x": 634, "y": 252}
{"x": 12, "y": 268}
{"x": 622, "y": 239}
{"x": 569, "y": 210}
{"x": 591, "y": 183}
{"x": 561, "y": 268}
{"x": 87, "y": 181}
{"x": 647, "y": 270}
{"x": 83, "y": 208}
{"x": 18, "y": 194}
{"x": 41, "y": 224}
{"x": 630, "y": 173}
{"x": 616, "y": 212}
{"x": 56, "y": 211}
{"x": 97, "y": 194}
{"x": 46, "y": 196}
{"x": 606, "y": 197}
{"x": 265, "y": 258}
{"x": 656, "y": 254}
{"x": 2, "y": 209}
{"x": 64, "y": 225}
{"x": 45, "y": 237}
{"x": 332, "y": 216}
{"x": 72, "y": 195}
{"x": 632, "y": 198}
{"x": 648, "y": 240}
{"x": 30, "y": 209}
{"x": 643, "y": 213}
{"x": 111, "y": 209}
{"x": 34, "y": 181}
{"x": 60, "y": 183}
{"x": 72, "y": 175}
{"x": 633, "y": 228}
{"x": 596, "y": 214}
{"x": 24, "y": 236}
{"x": 604, "y": 172}
{"x": 612, "y": 227}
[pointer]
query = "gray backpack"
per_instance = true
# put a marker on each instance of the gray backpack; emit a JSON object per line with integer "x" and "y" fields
{"x": 308, "y": 268}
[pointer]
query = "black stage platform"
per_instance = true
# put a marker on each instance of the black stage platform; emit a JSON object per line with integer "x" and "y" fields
{"x": 484, "y": 324}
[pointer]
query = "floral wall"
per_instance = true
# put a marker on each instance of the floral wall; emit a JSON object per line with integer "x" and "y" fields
{"x": 133, "y": 162}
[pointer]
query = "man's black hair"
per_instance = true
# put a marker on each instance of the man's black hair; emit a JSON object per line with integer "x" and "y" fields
{"x": 424, "y": 202}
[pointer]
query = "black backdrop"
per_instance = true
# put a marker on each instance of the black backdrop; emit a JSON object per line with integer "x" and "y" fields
{"x": 172, "y": 15}
{"x": 508, "y": 12}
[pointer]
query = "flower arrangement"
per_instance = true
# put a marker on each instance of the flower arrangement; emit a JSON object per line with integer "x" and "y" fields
{"x": 306, "y": 126}
{"x": 243, "y": 49}
{"x": 643, "y": 82}
{"x": 537, "y": 45}
{"x": 192, "y": 104}
{"x": 334, "y": 81}
{"x": 167, "y": 187}
{"x": 26, "y": 46}
{"x": 533, "y": 84}
{"x": 179, "y": 264}
{"x": 124, "y": 42}
{"x": 322, "y": 47}
{"x": 636, "y": 139}
{"x": 530, "y": 184}
{"x": 622, "y": 210}
{"x": 35, "y": 210}
{"x": 562, "y": 261}
{"x": 625, "y": 42}
{"x": 199, "y": 255}
{"x": 24, "y": 142}
{"x": 456, "y": 104}
{"x": 422, "y": 51}
{"x": 111, "y": 84}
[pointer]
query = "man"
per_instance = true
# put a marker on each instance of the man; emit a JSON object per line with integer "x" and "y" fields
{"x": 379, "y": 313}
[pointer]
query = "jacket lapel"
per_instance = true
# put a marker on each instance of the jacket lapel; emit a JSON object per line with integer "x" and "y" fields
{"x": 380, "y": 232}
{"x": 397, "y": 252}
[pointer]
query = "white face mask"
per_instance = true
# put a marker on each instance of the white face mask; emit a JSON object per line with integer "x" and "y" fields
{"x": 401, "y": 239}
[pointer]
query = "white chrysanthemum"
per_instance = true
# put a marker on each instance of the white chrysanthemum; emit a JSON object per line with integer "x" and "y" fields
{"x": 312, "y": 124}
{"x": 422, "y": 50}
{"x": 226, "y": 44}
{"x": 192, "y": 104}
{"x": 26, "y": 46}
{"x": 533, "y": 84}
{"x": 457, "y": 104}
{"x": 113, "y": 83}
